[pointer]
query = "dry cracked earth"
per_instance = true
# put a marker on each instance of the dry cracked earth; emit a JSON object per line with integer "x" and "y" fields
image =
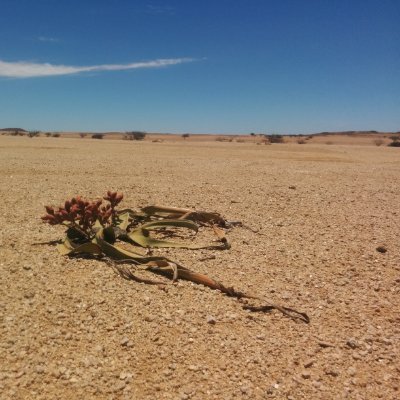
{"x": 72, "y": 328}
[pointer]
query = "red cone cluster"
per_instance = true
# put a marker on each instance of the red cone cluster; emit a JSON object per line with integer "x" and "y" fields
{"x": 84, "y": 213}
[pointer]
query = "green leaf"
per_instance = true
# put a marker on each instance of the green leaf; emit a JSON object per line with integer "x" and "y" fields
{"x": 171, "y": 223}
{"x": 117, "y": 253}
{"x": 70, "y": 248}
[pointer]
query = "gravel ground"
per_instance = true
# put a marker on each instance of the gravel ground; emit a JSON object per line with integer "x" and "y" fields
{"x": 74, "y": 329}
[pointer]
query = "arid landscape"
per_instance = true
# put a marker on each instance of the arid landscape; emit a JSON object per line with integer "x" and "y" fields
{"x": 320, "y": 234}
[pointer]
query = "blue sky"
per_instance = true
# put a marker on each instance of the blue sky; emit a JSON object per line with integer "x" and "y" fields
{"x": 237, "y": 66}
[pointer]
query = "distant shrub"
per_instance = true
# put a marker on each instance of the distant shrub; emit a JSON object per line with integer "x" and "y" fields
{"x": 301, "y": 141}
{"x": 135, "y": 135}
{"x": 275, "y": 138}
{"x": 97, "y": 136}
{"x": 33, "y": 134}
{"x": 395, "y": 141}
{"x": 55, "y": 135}
{"x": 221, "y": 139}
{"x": 14, "y": 133}
{"x": 82, "y": 135}
{"x": 185, "y": 135}
{"x": 239, "y": 140}
{"x": 48, "y": 134}
{"x": 378, "y": 142}
{"x": 329, "y": 142}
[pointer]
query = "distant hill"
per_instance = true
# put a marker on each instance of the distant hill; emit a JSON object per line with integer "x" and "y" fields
{"x": 350, "y": 133}
{"x": 12, "y": 130}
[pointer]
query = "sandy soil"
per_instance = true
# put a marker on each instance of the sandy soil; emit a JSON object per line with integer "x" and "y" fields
{"x": 74, "y": 329}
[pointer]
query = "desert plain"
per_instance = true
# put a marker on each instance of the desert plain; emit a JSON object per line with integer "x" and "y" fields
{"x": 317, "y": 213}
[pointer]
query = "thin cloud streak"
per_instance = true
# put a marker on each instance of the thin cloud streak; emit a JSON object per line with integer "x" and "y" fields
{"x": 47, "y": 39}
{"x": 23, "y": 69}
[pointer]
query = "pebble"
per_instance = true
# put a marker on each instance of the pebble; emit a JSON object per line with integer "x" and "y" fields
{"x": 55, "y": 372}
{"x": 305, "y": 375}
{"x": 351, "y": 371}
{"x": 147, "y": 300}
{"x": 118, "y": 386}
{"x": 352, "y": 343}
{"x": 332, "y": 372}
{"x": 211, "y": 320}
{"x": 308, "y": 363}
{"x": 325, "y": 344}
{"x": 40, "y": 369}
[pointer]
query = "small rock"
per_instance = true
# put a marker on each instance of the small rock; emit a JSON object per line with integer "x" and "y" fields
{"x": 352, "y": 343}
{"x": 325, "y": 344}
{"x": 118, "y": 386}
{"x": 147, "y": 300}
{"x": 305, "y": 375}
{"x": 55, "y": 372}
{"x": 40, "y": 369}
{"x": 211, "y": 320}
{"x": 124, "y": 341}
{"x": 308, "y": 363}
{"x": 292, "y": 187}
{"x": 381, "y": 249}
{"x": 27, "y": 267}
{"x": 99, "y": 348}
{"x": 351, "y": 371}
{"x": 19, "y": 374}
{"x": 332, "y": 372}
{"x": 244, "y": 389}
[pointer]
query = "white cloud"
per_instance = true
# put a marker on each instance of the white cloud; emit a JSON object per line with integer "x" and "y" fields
{"x": 47, "y": 39}
{"x": 23, "y": 69}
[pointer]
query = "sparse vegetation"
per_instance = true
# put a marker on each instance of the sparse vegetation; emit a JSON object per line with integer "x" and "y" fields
{"x": 82, "y": 135}
{"x": 47, "y": 134}
{"x": 135, "y": 135}
{"x": 378, "y": 142}
{"x": 95, "y": 229}
{"x": 33, "y": 134}
{"x": 275, "y": 138}
{"x": 395, "y": 141}
{"x": 55, "y": 135}
{"x": 185, "y": 135}
{"x": 221, "y": 139}
{"x": 97, "y": 136}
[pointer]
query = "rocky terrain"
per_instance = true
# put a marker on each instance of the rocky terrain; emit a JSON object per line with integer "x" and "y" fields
{"x": 324, "y": 239}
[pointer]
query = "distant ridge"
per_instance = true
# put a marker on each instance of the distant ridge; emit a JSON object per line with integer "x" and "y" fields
{"x": 350, "y": 133}
{"x": 13, "y": 129}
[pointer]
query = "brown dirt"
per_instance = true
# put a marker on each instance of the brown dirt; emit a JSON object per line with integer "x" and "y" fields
{"x": 74, "y": 329}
